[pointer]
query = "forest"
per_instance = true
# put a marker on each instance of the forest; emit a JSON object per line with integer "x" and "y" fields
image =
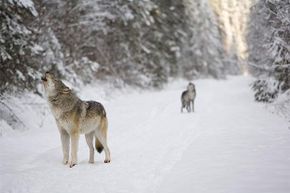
{"x": 141, "y": 43}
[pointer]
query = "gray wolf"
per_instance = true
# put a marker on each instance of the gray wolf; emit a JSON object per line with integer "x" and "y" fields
{"x": 74, "y": 117}
{"x": 188, "y": 97}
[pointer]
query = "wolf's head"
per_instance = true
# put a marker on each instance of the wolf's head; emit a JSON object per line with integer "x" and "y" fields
{"x": 190, "y": 87}
{"x": 53, "y": 86}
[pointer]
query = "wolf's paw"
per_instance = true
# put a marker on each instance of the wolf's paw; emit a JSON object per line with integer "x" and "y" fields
{"x": 107, "y": 161}
{"x": 72, "y": 164}
{"x": 91, "y": 161}
{"x": 65, "y": 161}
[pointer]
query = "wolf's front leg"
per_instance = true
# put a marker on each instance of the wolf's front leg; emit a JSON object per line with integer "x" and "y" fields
{"x": 192, "y": 105}
{"x": 188, "y": 107}
{"x": 74, "y": 149}
{"x": 65, "y": 145}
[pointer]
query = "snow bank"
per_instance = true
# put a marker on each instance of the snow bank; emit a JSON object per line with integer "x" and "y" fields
{"x": 281, "y": 105}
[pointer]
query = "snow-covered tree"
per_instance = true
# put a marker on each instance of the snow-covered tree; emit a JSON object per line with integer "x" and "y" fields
{"x": 133, "y": 42}
{"x": 16, "y": 45}
{"x": 268, "y": 40}
{"x": 204, "y": 52}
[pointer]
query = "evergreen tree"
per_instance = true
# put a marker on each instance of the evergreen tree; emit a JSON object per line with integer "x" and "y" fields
{"x": 17, "y": 45}
{"x": 269, "y": 39}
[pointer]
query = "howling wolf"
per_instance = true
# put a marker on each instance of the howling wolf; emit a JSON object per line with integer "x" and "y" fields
{"x": 74, "y": 117}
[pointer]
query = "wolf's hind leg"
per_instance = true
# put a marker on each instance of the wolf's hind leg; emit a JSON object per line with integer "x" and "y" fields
{"x": 103, "y": 141}
{"x": 65, "y": 145}
{"x": 183, "y": 105}
{"x": 90, "y": 139}
{"x": 102, "y": 137}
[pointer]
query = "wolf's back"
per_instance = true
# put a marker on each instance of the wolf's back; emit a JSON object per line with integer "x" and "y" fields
{"x": 184, "y": 93}
{"x": 95, "y": 109}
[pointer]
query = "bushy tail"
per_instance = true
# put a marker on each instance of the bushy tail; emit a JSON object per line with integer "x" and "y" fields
{"x": 103, "y": 133}
{"x": 99, "y": 146}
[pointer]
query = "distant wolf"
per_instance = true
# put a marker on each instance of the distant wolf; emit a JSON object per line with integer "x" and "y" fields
{"x": 187, "y": 98}
{"x": 74, "y": 117}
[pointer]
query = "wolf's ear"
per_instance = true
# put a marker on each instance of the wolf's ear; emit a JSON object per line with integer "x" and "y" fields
{"x": 66, "y": 90}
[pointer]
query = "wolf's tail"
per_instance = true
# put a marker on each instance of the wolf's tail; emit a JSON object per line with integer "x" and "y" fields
{"x": 99, "y": 146}
{"x": 103, "y": 132}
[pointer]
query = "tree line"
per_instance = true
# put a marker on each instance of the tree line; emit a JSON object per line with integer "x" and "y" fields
{"x": 141, "y": 43}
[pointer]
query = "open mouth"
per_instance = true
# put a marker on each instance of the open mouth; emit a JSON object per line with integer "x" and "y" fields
{"x": 43, "y": 78}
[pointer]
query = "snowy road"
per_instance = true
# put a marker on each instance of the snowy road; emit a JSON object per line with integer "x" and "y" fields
{"x": 229, "y": 145}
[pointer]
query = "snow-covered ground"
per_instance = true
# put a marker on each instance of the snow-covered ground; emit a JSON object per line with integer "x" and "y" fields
{"x": 229, "y": 145}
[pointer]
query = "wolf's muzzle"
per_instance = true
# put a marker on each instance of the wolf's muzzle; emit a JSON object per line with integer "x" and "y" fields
{"x": 43, "y": 78}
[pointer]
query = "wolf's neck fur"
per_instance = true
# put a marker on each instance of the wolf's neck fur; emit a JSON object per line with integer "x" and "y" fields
{"x": 191, "y": 93}
{"x": 66, "y": 102}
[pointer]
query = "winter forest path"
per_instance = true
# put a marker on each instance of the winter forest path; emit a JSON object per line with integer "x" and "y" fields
{"x": 230, "y": 144}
